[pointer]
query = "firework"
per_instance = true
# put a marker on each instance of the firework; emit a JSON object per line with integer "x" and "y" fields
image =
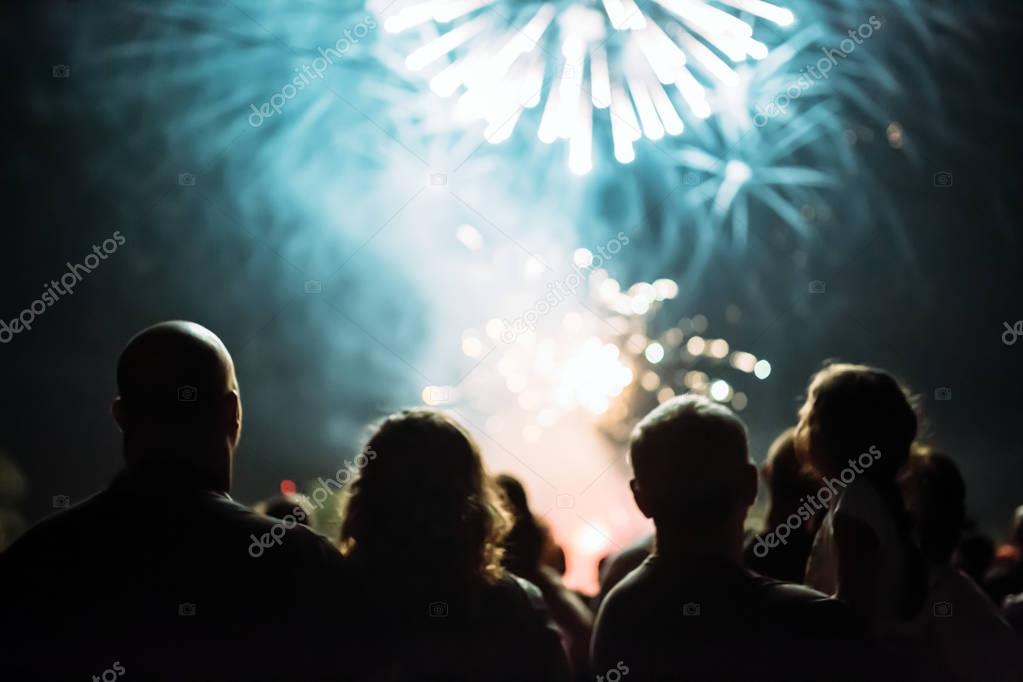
{"x": 650, "y": 65}
{"x": 598, "y": 358}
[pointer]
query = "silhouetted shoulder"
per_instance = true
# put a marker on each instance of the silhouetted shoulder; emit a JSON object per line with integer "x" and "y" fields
{"x": 291, "y": 532}
{"x": 634, "y": 588}
{"x": 51, "y": 536}
{"x": 521, "y": 600}
{"x": 622, "y": 564}
{"x": 542, "y": 656}
{"x": 623, "y": 617}
{"x": 806, "y": 611}
{"x": 808, "y": 630}
{"x": 532, "y": 592}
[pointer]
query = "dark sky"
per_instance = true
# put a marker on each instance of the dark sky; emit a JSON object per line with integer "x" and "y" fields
{"x": 935, "y": 317}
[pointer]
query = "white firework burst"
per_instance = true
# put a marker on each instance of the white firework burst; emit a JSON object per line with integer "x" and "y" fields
{"x": 650, "y": 64}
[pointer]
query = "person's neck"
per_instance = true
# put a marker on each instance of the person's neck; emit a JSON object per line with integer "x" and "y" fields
{"x": 181, "y": 468}
{"x": 702, "y": 545}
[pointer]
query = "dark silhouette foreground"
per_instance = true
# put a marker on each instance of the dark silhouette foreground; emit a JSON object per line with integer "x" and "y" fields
{"x": 156, "y": 571}
{"x": 441, "y": 572}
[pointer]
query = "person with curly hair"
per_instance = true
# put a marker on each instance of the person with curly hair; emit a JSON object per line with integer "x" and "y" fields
{"x": 423, "y": 526}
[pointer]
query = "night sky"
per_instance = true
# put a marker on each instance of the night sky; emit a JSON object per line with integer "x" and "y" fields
{"x": 926, "y": 299}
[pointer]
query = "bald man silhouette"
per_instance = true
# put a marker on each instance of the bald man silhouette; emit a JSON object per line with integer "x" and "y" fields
{"x": 178, "y": 406}
{"x": 158, "y": 571}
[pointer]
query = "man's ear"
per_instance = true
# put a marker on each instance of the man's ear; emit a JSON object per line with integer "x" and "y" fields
{"x": 641, "y": 502}
{"x": 231, "y": 413}
{"x": 119, "y": 413}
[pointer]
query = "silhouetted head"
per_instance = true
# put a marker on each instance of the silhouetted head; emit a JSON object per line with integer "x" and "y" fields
{"x": 850, "y": 409}
{"x": 785, "y": 476}
{"x": 178, "y": 404}
{"x": 935, "y": 496}
{"x": 691, "y": 467}
{"x": 514, "y": 494}
{"x": 424, "y": 498}
{"x": 554, "y": 554}
{"x": 524, "y": 544}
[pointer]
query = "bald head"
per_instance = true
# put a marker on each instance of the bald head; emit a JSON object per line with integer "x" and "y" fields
{"x": 177, "y": 390}
{"x": 173, "y": 365}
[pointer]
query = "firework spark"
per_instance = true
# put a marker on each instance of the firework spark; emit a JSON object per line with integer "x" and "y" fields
{"x": 651, "y": 65}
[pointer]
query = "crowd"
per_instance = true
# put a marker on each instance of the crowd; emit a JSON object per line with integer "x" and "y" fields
{"x": 867, "y": 569}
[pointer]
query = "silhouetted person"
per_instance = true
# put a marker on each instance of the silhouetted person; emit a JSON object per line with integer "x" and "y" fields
{"x": 524, "y": 549}
{"x": 856, "y": 429}
{"x": 789, "y": 486}
{"x": 790, "y": 489}
{"x": 974, "y": 641}
{"x": 692, "y": 610}
{"x": 422, "y": 527}
{"x": 162, "y": 572}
